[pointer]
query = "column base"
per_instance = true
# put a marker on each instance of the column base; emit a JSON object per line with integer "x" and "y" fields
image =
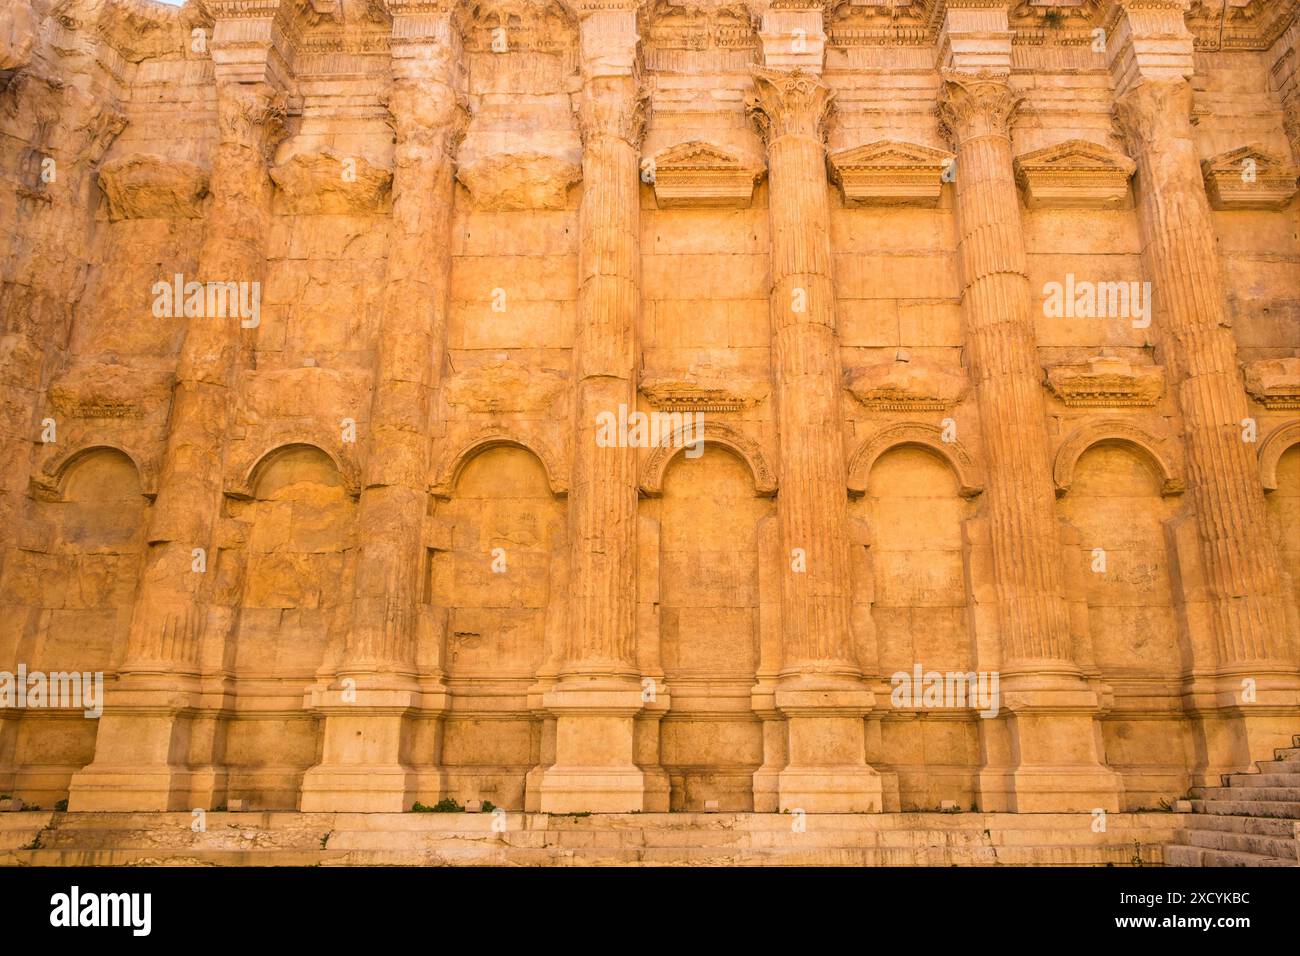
{"x": 593, "y": 790}
{"x": 359, "y": 789}
{"x": 830, "y": 789}
{"x": 595, "y": 769}
{"x": 827, "y": 769}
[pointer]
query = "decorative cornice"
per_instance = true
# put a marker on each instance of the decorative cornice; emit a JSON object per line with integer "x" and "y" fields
{"x": 701, "y": 174}
{"x": 1250, "y": 177}
{"x": 1104, "y": 381}
{"x": 795, "y": 103}
{"x": 905, "y": 385}
{"x": 703, "y": 391}
{"x": 1274, "y": 383}
{"x": 890, "y": 172}
{"x": 1075, "y": 173}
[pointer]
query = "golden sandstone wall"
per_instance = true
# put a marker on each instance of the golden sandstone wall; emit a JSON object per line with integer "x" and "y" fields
{"x": 369, "y": 529}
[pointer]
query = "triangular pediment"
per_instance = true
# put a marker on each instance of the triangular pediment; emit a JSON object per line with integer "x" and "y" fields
{"x": 697, "y": 155}
{"x": 1076, "y": 154}
{"x": 1235, "y": 159}
{"x": 1249, "y": 177}
{"x": 891, "y": 154}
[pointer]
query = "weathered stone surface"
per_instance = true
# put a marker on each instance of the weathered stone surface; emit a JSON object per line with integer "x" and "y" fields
{"x": 604, "y": 406}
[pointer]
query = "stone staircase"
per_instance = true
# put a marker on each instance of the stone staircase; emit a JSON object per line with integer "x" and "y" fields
{"x": 1253, "y": 820}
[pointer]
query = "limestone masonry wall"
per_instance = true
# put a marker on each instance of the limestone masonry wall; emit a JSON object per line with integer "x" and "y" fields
{"x": 635, "y": 405}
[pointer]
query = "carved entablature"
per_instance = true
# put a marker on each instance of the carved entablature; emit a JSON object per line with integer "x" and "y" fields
{"x": 328, "y": 182}
{"x": 699, "y": 25}
{"x": 1076, "y": 173}
{"x": 1055, "y": 22}
{"x": 851, "y": 23}
{"x": 703, "y": 391}
{"x": 106, "y": 390}
{"x": 1247, "y": 25}
{"x": 509, "y": 26}
{"x": 504, "y": 387}
{"x": 146, "y": 186}
{"x": 1105, "y": 381}
{"x": 905, "y": 385}
{"x": 1250, "y": 177}
{"x": 1274, "y": 383}
{"x": 889, "y": 172}
{"x": 700, "y": 174}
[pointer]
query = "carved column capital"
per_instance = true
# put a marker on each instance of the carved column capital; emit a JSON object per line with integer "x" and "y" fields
{"x": 251, "y": 115}
{"x": 976, "y": 104}
{"x": 1153, "y": 113}
{"x": 427, "y": 113}
{"x": 789, "y": 104}
{"x": 613, "y": 106}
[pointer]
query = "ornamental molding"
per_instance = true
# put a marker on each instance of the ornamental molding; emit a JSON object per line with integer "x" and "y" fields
{"x": 1250, "y": 177}
{"x": 701, "y": 174}
{"x": 890, "y": 172}
{"x": 1108, "y": 382}
{"x": 906, "y": 385}
{"x": 1274, "y": 383}
{"x": 1074, "y": 174}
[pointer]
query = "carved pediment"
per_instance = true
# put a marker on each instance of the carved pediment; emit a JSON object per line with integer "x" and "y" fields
{"x": 1075, "y": 173}
{"x": 703, "y": 389}
{"x": 504, "y": 387}
{"x": 700, "y": 174}
{"x": 889, "y": 172}
{"x": 329, "y": 182}
{"x": 1246, "y": 25}
{"x": 1274, "y": 383}
{"x": 146, "y": 186}
{"x": 905, "y": 385}
{"x": 1105, "y": 381}
{"x": 103, "y": 390}
{"x": 1250, "y": 177}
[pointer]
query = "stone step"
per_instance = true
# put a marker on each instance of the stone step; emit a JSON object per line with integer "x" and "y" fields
{"x": 1270, "y": 794}
{"x": 1261, "y": 826}
{"x": 1179, "y": 855}
{"x": 1248, "y": 808}
{"x": 1237, "y": 780}
{"x": 1287, "y": 754}
{"x": 1281, "y": 847}
{"x": 1277, "y": 766}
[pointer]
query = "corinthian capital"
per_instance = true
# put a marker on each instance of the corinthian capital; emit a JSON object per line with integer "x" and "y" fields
{"x": 975, "y": 104}
{"x": 789, "y": 104}
{"x": 427, "y": 112}
{"x": 615, "y": 106}
{"x": 1155, "y": 112}
{"x": 251, "y": 114}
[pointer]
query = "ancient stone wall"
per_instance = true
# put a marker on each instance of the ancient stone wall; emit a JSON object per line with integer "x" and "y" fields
{"x": 614, "y": 405}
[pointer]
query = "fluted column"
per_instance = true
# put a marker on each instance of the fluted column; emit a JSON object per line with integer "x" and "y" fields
{"x": 363, "y": 764}
{"x": 1020, "y": 497}
{"x": 602, "y": 502}
{"x": 598, "y": 694}
{"x": 819, "y": 690}
{"x": 1193, "y": 329}
{"x": 1043, "y": 756}
{"x": 137, "y": 764}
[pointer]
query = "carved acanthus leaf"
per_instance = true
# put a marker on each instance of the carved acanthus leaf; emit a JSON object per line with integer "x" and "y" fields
{"x": 794, "y": 103}
{"x": 976, "y": 104}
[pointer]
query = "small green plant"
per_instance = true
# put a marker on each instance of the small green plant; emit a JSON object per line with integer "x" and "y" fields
{"x": 488, "y": 806}
{"x": 61, "y": 806}
{"x": 445, "y": 805}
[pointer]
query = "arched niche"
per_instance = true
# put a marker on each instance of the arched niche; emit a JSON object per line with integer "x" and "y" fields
{"x": 249, "y": 462}
{"x": 970, "y": 480}
{"x": 448, "y": 473}
{"x": 1271, "y": 450}
{"x": 1079, "y": 441}
{"x": 744, "y": 447}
